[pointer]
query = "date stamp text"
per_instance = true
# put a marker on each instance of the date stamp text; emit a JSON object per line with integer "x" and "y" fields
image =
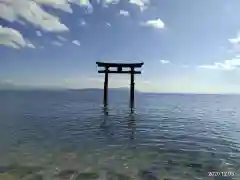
{"x": 225, "y": 173}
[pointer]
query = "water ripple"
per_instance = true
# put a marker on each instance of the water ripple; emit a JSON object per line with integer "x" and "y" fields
{"x": 183, "y": 128}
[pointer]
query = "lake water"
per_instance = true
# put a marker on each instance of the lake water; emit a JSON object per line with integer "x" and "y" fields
{"x": 66, "y": 135}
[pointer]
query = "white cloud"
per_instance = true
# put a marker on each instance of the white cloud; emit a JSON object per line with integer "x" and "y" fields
{"x": 12, "y": 38}
{"x": 61, "y": 38}
{"x": 233, "y": 62}
{"x": 65, "y": 5}
{"x": 235, "y": 40}
{"x": 236, "y": 44}
{"x": 32, "y": 12}
{"x": 39, "y": 33}
{"x": 141, "y": 3}
{"x": 214, "y": 66}
{"x": 111, "y": 1}
{"x": 83, "y": 3}
{"x": 58, "y": 4}
{"x": 137, "y": 2}
{"x": 124, "y": 13}
{"x": 226, "y": 65}
{"x": 158, "y": 23}
{"x": 29, "y": 44}
{"x": 108, "y": 24}
{"x": 164, "y": 62}
{"x": 76, "y": 42}
{"x": 185, "y": 66}
{"x": 82, "y": 22}
{"x": 57, "y": 43}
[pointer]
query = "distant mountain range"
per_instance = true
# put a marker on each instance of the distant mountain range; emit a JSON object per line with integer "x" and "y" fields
{"x": 121, "y": 89}
{"x": 7, "y": 85}
{"x": 10, "y": 86}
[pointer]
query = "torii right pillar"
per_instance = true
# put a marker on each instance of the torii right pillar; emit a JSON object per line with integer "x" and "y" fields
{"x": 132, "y": 84}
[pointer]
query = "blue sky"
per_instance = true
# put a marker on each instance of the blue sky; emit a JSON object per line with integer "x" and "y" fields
{"x": 186, "y": 45}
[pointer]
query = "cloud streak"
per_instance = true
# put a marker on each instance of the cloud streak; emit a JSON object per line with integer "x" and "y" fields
{"x": 76, "y": 42}
{"x": 226, "y": 65}
{"x": 57, "y": 43}
{"x": 164, "y": 62}
{"x": 61, "y": 38}
{"x": 158, "y": 23}
{"x": 32, "y": 12}
{"x": 235, "y": 40}
{"x": 12, "y": 38}
{"x": 124, "y": 13}
{"x": 58, "y": 4}
{"x": 143, "y": 4}
{"x": 235, "y": 43}
{"x": 39, "y": 33}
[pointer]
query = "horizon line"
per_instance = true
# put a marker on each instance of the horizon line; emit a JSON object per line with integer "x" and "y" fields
{"x": 117, "y": 88}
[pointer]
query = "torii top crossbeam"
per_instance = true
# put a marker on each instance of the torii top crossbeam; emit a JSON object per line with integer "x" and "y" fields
{"x": 119, "y": 67}
{"x": 135, "y": 65}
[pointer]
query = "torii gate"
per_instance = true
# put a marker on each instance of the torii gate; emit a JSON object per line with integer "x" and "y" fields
{"x": 119, "y": 70}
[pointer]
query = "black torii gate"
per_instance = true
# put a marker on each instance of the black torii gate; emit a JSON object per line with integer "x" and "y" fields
{"x": 119, "y": 70}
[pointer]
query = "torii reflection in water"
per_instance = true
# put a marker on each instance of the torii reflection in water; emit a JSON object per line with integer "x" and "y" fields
{"x": 131, "y": 123}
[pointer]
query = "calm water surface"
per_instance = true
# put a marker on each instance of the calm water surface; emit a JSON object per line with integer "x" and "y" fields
{"x": 170, "y": 136}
